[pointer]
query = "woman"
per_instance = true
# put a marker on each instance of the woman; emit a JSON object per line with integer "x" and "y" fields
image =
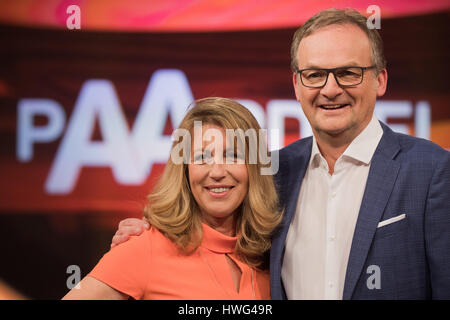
{"x": 211, "y": 219}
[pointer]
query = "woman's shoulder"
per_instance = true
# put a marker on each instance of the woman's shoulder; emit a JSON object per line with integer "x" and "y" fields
{"x": 136, "y": 251}
{"x": 150, "y": 243}
{"x": 152, "y": 237}
{"x": 149, "y": 236}
{"x": 126, "y": 266}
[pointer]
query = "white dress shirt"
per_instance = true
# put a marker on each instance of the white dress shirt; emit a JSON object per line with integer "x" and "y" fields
{"x": 321, "y": 232}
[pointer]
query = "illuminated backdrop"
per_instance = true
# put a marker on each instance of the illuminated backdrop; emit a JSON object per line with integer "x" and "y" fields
{"x": 86, "y": 115}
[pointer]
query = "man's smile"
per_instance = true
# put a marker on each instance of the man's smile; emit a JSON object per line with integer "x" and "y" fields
{"x": 333, "y": 106}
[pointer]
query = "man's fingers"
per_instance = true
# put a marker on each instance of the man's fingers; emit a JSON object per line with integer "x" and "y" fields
{"x": 118, "y": 239}
{"x": 124, "y": 233}
{"x": 130, "y": 222}
{"x": 130, "y": 231}
{"x": 129, "y": 227}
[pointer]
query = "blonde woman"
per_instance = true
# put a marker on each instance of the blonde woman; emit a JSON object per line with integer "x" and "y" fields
{"x": 211, "y": 217}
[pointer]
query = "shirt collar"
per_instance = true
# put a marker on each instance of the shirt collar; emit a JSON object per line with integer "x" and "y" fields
{"x": 361, "y": 148}
{"x": 316, "y": 156}
{"x": 364, "y": 145}
{"x": 218, "y": 242}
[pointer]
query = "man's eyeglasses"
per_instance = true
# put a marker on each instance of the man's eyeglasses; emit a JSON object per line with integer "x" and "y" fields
{"x": 345, "y": 76}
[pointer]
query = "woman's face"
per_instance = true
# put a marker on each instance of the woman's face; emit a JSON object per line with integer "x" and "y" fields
{"x": 219, "y": 187}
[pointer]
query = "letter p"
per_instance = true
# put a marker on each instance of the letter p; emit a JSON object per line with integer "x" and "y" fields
{"x": 28, "y": 134}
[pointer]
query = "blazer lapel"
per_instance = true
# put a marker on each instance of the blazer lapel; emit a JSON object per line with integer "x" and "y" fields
{"x": 382, "y": 176}
{"x": 289, "y": 189}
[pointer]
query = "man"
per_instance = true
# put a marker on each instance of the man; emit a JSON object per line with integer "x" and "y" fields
{"x": 367, "y": 210}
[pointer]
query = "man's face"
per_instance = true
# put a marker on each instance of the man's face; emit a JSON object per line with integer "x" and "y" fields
{"x": 330, "y": 47}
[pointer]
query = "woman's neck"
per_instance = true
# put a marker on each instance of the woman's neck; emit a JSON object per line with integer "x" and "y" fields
{"x": 226, "y": 225}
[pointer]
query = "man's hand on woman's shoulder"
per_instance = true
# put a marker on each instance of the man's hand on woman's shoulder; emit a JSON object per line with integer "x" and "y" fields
{"x": 129, "y": 227}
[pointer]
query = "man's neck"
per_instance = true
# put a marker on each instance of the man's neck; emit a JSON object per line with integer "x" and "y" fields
{"x": 333, "y": 146}
{"x": 331, "y": 152}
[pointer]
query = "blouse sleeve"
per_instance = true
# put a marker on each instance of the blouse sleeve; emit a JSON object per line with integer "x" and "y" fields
{"x": 126, "y": 267}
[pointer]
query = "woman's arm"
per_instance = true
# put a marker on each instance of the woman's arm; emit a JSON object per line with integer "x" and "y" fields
{"x": 92, "y": 289}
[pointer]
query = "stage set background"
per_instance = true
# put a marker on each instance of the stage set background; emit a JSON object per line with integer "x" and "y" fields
{"x": 128, "y": 57}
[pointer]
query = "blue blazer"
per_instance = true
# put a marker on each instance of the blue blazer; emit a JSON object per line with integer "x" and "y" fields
{"x": 408, "y": 176}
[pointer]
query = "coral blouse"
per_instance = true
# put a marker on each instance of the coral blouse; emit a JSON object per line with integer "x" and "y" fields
{"x": 150, "y": 266}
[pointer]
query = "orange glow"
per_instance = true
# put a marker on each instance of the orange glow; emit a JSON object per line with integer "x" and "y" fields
{"x": 194, "y": 16}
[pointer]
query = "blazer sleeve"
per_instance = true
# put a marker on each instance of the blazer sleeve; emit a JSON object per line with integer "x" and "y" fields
{"x": 437, "y": 227}
{"x": 126, "y": 266}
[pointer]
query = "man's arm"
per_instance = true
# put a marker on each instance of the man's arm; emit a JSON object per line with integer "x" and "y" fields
{"x": 437, "y": 228}
{"x": 128, "y": 227}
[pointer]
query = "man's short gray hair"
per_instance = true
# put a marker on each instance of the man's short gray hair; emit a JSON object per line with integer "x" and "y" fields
{"x": 336, "y": 16}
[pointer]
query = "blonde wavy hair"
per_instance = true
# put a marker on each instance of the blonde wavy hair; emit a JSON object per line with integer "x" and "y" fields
{"x": 172, "y": 209}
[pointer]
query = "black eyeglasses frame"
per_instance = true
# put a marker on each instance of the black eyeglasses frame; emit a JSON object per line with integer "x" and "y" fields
{"x": 333, "y": 71}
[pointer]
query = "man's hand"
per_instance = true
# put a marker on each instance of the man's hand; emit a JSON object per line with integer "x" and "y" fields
{"x": 128, "y": 227}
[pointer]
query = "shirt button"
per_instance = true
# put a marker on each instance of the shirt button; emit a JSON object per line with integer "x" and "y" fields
{"x": 330, "y": 284}
{"x": 332, "y": 238}
{"x": 333, "y": 194}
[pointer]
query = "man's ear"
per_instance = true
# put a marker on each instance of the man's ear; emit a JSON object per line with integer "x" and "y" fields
{"x": 382, "y": 82}
{"x": 296, "y": 84}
